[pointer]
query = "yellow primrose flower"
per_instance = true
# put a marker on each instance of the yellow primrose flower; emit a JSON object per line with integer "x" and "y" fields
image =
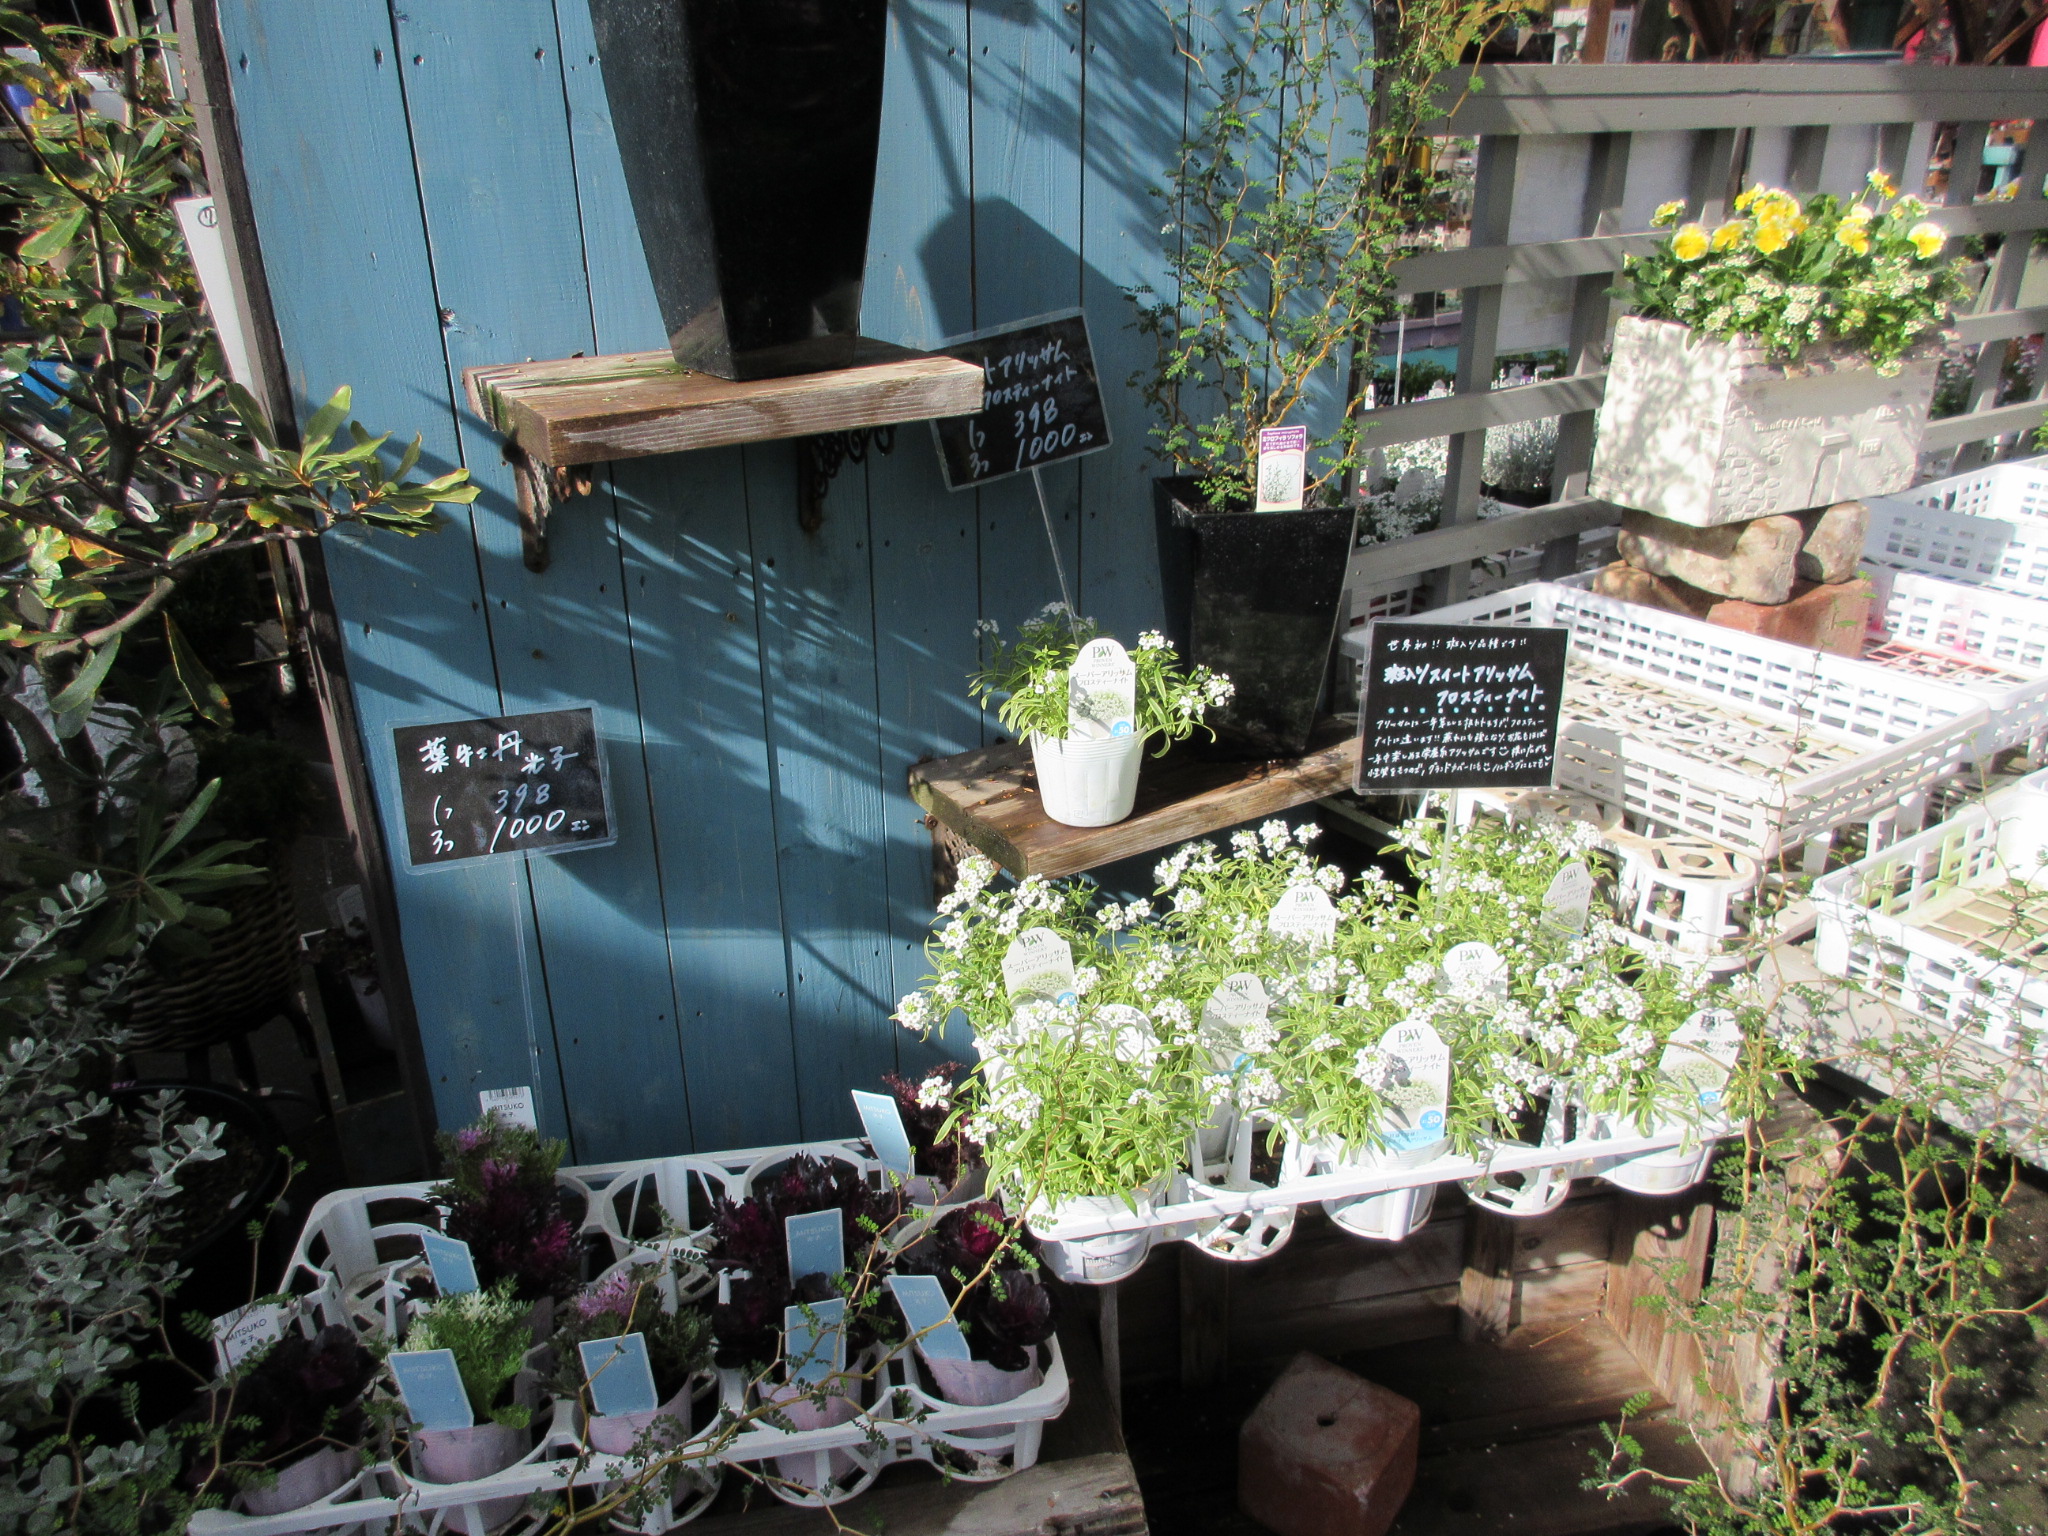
{"x": 1742, "y": 203}
{"x": 1667, "y": 213}
{"x": 1928, "y": 239}
{"x": 1773, "y": 235}
{"x": 1883, "y": 185}
{"x": 1858, "y": 214}
{"x": 1690, "y": 243}
{"x": 1729, "y": 234}
{"x": 1854, "y": 236}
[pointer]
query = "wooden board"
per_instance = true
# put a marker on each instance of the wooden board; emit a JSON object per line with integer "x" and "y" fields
{"x": 990, "y": 797}
{"x": 582, "y": 410}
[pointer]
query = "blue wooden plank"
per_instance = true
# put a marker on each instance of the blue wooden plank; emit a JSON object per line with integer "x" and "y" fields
{"x": 691, "y": 613}
{"x": 818, "y": 653}
{"x": 345, "y": 252}
{"x": 926, "y": 554}
{"x": 504, "y": 231}
{"x": 1025, "y": 74}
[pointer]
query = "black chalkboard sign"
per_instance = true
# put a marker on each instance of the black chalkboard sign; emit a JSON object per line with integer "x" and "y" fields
{"x": 1042, "y": 401}
{"x": 517, "y": 784}
{"x": 1459, "y": 706}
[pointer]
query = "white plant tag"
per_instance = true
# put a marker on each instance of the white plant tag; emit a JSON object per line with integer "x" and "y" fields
{"x": 1419, "y": 1087}
{"x": 1102, "y": 692}
{"x": 1700, "y": 1055}
{"x": 1305, "y": 913}
{"x": 243, "y": 1332}
{"x": 1568, "y": 900}
{"x": 1477, "y": 964}
{"x": 1283, "y": 468}
{"x": 514, "y": 1106}
{"x": 1234, "y": 1007}
{"x": 1131, "y": 1034}
{"x": 1039, "y": 963}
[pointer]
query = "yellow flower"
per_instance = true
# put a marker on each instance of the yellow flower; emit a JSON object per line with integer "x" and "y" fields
{"x": 1928, "y": 239}
{"x": 1729, "y": 234}
{"x": 1854, "y": 236}
{"x": 1773, "y": 235}
{"x": 1858, "y": 214}
{"x": 1883, "y": 185}
{"x": 1667, "y": 213}
{"x": 1742, "y": 203}
{"x": 1690, "y": 243}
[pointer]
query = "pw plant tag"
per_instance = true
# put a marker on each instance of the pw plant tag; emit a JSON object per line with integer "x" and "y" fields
{"x": 1102, "y": 692}
{"x": 1701, "y": 1054}
{"x": 449, "y": 1258}
{"x": 1478, "y": 966}
{"x": 514, "y": 1106}
{"x": 246, "y": 1331}
{"x": 925, "y": 1308}
{"x": 1234, "y": 1007}
{"x": 1283, "y": 466}
{"x": 1568, "y": 900}
{"x": 1306, "y": 914}
{"x": 620, "y": 1374}
{"x": 1418, "y": 1088}
{"x": 883, "y": 1122}
{"x": 1039, "y": 963}
{"x": 432, "y": 1388}
{"x": 1131, "y": 1034}
{"x": 813, "y": 1341}
{"x": 817, "y": 1243}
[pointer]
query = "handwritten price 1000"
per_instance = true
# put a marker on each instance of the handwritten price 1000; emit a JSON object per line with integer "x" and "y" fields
{"x": 515, "y": 827}
{"x": 1040, "y": 433}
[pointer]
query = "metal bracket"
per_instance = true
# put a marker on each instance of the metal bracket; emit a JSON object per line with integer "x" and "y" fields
{"x": 540, "y": 488}
{"x": 819, "y": 460}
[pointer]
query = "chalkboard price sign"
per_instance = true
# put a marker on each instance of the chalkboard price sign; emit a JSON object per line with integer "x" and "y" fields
{"x": 513, "y": 785}
{"x": 1459, "y": 706}
{"x": 1042, "y": 402}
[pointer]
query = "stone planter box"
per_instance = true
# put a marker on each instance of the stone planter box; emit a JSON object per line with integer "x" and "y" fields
{"x": 1705, "y": 433}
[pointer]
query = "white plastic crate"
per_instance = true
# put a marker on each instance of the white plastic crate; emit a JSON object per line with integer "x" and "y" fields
{"x": 1988, "y": 528}
{"x": 2017, "y": 488}
{"x": 1939, "y": 923}
{"x": 1993, "y": 643}
{"x": 1753, "y": 744}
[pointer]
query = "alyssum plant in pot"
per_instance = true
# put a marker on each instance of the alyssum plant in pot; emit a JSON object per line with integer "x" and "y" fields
{"x": 1784, "y": 359}
{"x": 1088, "y": 708}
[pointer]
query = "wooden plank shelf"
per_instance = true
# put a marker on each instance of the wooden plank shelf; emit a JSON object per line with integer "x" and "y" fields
{"x": 989, "y": 798}
{"x": 585, "y": 410}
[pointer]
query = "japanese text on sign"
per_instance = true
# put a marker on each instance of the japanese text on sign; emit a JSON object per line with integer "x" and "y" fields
{"x": 1041, "y": 401}
{"x": 521, "y": 784}
{"x": 1447, "y": 706}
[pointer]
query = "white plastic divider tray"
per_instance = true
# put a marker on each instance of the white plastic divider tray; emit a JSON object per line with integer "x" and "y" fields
{"x": 1988, "y": 528}
{"x": 1900, "y": 923}
{"x": 359, "y": 1247}
{"x": 1993, "y": 643}
{"x": 1790, "y": 744}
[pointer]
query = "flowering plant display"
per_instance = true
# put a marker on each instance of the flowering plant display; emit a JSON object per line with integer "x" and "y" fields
{"x": 489, "y": 1332}
{"x": 636, "y": 1298}
{"x": 501, "y": 1199}
{"x": 939, "y": 1147}
{"x": 1866, "y": 275}
{"x": 1026, "y": 679}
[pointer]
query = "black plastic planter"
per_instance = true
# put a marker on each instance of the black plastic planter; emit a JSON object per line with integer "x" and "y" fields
{"x": 748, "y": 130}
{"x": 1255, "y": 595}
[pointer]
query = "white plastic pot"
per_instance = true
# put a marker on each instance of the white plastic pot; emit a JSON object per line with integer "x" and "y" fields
{"x": 615, "y": 1434}
{"x": 1092, "y": 1260}
{"x": 1385, "y": 1218}
{"x": 978, "y": 1384}
{"x": 1090, "y": 783}
{"x": 1665, "y": 1171}
{"x": 310, "y": 1478}
{"x": 463, "y": 1456}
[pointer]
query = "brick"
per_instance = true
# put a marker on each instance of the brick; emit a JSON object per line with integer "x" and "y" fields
{"x": 1755, "y": 562}
{"x": 1825, "y": 617}
{"x": 1624, "y": 581}
{"x": 1834, "y": 542}
{"x": 1327, "y": 1453}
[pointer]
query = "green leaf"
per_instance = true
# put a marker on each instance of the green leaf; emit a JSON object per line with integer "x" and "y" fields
{"x": 55, "y": 239}
{"x": 189, "y": 818}
{"x": 192, "y": 538}
{"x": 78, "y": 696}
{"x": 325, "y": 423}
{"x": 207, "y": 695}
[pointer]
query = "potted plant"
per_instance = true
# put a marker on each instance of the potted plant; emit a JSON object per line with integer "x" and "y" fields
{"x": 1282, "y": 219}
{"x": 1002, "y": 1307}
{"x": 953, "y": 1168}
{"x": 634, "y": 1299}
{"x": 490, "y": 1333}
{"x": 1784, "y": 359}
{"x": 290, "y": 1424}
{"x": 1089, "y": 779}
{"x": 501, "y": 1198}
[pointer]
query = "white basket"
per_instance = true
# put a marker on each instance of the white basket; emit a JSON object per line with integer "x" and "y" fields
{"x": 1751, "y": 743}
{"x": 1893, "y": 922}
{"x": 1990, "y": 642}
{"x": 1988, "y": 528}
{"x": 2015, "y": 489}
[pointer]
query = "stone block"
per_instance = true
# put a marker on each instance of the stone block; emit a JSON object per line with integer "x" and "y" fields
{"x": 1824, "y": 616}
{"x": 1327, "y": 1453}
{"x": 1834, "y": 542}
{"x": 1753, "y": 562}
{"x": 1624, "y": 581}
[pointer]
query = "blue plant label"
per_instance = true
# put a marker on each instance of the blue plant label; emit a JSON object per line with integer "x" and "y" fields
{"x": 1039, "y": 963}
{"x": 813, "y": 1341}
{"x": 883, "y": 1122}
{"x": 925, "y": 1308}
{"x": 1102, "y": 692}
{"x": 817, "y": 1243}
{"x": 246, "y": 1331}
{"x": 449, "y": 1259}
{"x": 432, "y": 1388}
{"x": 620, "y": 1374}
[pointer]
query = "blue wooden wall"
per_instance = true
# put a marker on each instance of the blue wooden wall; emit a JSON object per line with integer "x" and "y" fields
{"x": 437, "y": 185}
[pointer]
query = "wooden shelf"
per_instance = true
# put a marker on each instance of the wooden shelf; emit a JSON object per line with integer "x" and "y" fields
{"x": 989, "y": 797}
{"x": 584, "y": 410}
